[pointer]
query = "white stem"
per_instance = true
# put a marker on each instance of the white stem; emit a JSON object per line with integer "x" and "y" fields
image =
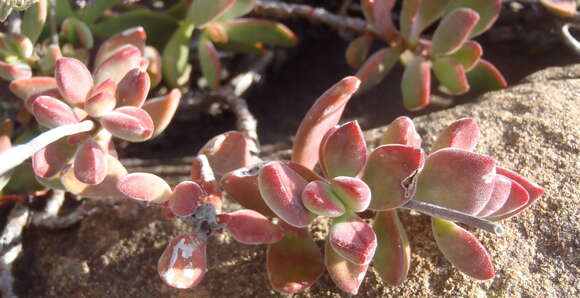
{"x": 569, "y": 39}
{"x": 16, "y": 155}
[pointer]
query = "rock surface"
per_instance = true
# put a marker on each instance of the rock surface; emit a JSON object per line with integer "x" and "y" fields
{"x": 531, "y": 128}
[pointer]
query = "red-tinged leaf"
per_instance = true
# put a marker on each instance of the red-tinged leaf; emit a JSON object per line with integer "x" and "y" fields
{"x": 259, "y": 31}
{"x": 485, "y": 77}
{"x": 468, "y": 54}
{"x": 346, "y": 275}
{"x": 461, "y": 134}
{"x": 416, "y": 84}
{"x": 344, "y": 151}
{"x": 393, "y": 255}
{"x": 353, "y": 239}
{"x": 382, "y": 20}
{"x": 242, "y": 186}
{"x": 565, "y": 8}
{"x": 47, "y": 62}
{"x": 462, "y": 249}
{"x": 15, "y": 71}
{"x": 374, "y": 70}
{"x": 106, "y": 189}
{"x": 90, "y": 164}
{"x": 108, "y": 86}
{"x": 24, "y": 88}
{"x": 51, "y": 112}
{"x": 319, "y": 199}
{"x": 183, "y": 264}
{"x": 5, "y": 143}
{"x": 77, "y": 33}
{"x": 74, "y": 80}
{"x": 186, "y": 197}
{"x": 501, "y": 191}
{"x": 202, "y": 174}
{"x": 129, "y": 123}
{"x": 18, "y": 45}
{"x": 216, "y": 33}
{"x": 145, "y": 187}
{"x": 408, "y": 20}
{"x": 453, "y": 30}
{"x": 100, "y": 104}
{"x": 252, "y": 49}
{"x": 323, "y": 115}
{"x": 517, "y": 200}
{"x": 451, "y": 75}
{"x": 119, "y": 64}
{"x": 391, "y": 175}
{"x": 162, "y": 109}
{"x": 134, "y": 36}
{"x": 250, "y": 227}
{"x": 429, "y": 12}
{"x": 402, "y": 131}
{"x": 281, "y": 188}
{"x": 358, "y": 50}
{"x": 488, "y": 11}
{"x": 308, "y": 174}
{"x": 227, "y": 152}
{"x": 211, "y": 66}
{"x": 155, "y": 65}
{"x": 295, "y": 262}
{"x": 456, "y": 179}
{"x": 353, "y": 192}
{"x": 50, "y": 92}
{"x": 202, "y": 12}
{"x": 50, "y": 160}
{"x": 133, "y": 88}
{"x": 535, "y": 191}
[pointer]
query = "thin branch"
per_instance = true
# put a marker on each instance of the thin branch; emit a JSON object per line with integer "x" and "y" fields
{"x": 16, "y": 155}
{"x": 455, "y": 216}
{"x": 50, "y": 219}
{"x": 569, "y": 40}
{"x": 11, "y": 247}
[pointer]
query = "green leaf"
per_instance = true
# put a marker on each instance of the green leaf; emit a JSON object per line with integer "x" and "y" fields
{"x": 453, "y": 31}
{"x": 451, "y": 75}
{"x": 409, "y": 11}
{"x": 157, "y": 26}
{"x": 468, "y": 54}
{"x": 210, "y": 62}
{"x": 393, "y": 255}
{"x": 416, "y": 84}
{"x": 485, "y": 77}
{"x": 91, "y": 13}
{"x": 263, "y": 31}
{"x": 239, "y": 47}
{"x": 63, "y": 10}
{"x": 358, "y": 50}
{"x": 488, "y": 11}
{"x": 204, "y": 11}
{"x": 176, "y": 69}
{"x": 238, "y": 9}
{"x": 34, "y": 20}
{"x": 429, "y": 12}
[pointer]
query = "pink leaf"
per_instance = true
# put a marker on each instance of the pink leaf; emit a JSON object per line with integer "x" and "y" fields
{"x": 516, "y": 202}
{"x": 106, "y": 189}
{"x": 108, "y": 86}
{"x": 24, "y": 88}
{"x": 453, "y": 31}
{"x": 145, "y": 187}
{"x": 135, "y": 36}
{"x": 319, "y": 199}
{"x": 129, "y": 123}
{"x": 186, "y": 197}
{"x": 358, "y": 50}
{"x": 501, "y": 190}
{"x": 344, "y": 151}
{"x": 227, "y": 152}
{"x": 202, "y": 174}
{"x": 15, "y": 71}
{"x": 90, "y": 165}
{"x": 346, "y": 275}
{"x": 51, "y": 159}
{"x": 118, "y": 65}
{"x": 535, "y": 191}
{"x": 242, "y": 186}
{"x": 51, "y": 112}
{"x": 402, "y": 131}
{"x": 74, "y": 80}
{"x": 393, "y": 255}
{"x": 100, "y": 104}
{"x": 353, "y": 192}
{"x": 250, "y": 227}
{"x": 133, "y": 88}
{"x": 183, "y": 263}
{"x": 162, "y": 109}
{"x": 353, "y": 239}
{"x": 416, "y": 84}
{"x": 377, "y": 66}
{"x": 461, "y": 134}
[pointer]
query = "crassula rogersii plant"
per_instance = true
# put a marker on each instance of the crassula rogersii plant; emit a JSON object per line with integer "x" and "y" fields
{"x": 452, "y": 184}
{"x": 92, "y": 108}
{"x": 453, "y": 57}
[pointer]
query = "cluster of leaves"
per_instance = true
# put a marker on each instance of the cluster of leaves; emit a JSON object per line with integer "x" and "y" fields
{"x": 351, "y": 181}
{"x": 450, "y": 54}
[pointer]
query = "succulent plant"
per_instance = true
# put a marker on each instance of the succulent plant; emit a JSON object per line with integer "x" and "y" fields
{"x": 112, "y": 98}
{"x": 451, "y": 55}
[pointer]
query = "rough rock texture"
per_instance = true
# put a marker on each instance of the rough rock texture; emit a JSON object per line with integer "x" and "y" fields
{"x": 531, "y": 128}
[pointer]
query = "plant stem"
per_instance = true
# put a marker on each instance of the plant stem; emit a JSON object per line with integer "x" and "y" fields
{"x": 16, "y": 155}
{"x": 568, "y": 38}
{"x": 455, "y": 216}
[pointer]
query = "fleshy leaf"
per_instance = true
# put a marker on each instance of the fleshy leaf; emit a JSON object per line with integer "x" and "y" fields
{"x": 118, "y": 64}
{"x": 162, "y": 109}
{"x": 516, "y": 202}
{"x": 323, "y": 115}
{"x": 129, "y": 123}
{"x": 250, "y": 227}
{"x": 24, "y": 88}
{"x": 77, "y": 33}
{"x": 453, "y": 30}
{"x": 295, "y": 262}
{"x": 15, "y": 71}
{"x": 456, "y": 179}
{"x": 346, "y": 275}
{"x": 535, "y": 191}
{"x": 108, "y": 86}
{"x": 408, "y": 20}
{"x": 202, "y": 174}
{"x": 186, "y": 197}
{"x": 242, "y": 186}
{"x": 485, "y": 77}
{"x": 393, "y": 255}
{"x": 238, "y": 9}
{"x": 374, "y": 70}
{"x": 461, "y": 134}
{"x": 202, "y": 12}
{"x": 416, "y": 84}
{"x": 100, "y": 104}
{"x": 106, "y": 189}
{"x": 488, "y": 11}
{"x": 281, "y": 189}
{"x": 429, "y": 12}
{"x": 51, "y": 112}
{"x": 501, "y": 190}
{"x": 211, "y": 66}
{"x": 468, "y": 54}
{"x": 258, "y": 30}
{"x": 353, "y": 192}
{"x": 353, "y": 239}
{"x": 344, "y": 151}
{"x": 319, "y": 199}
{"x": 155, "y": 68}
{"x": 34, "y": 19}
{"x": 358, "y": 50}
{"x": 382, "y": 19}
{"x": 51, "y": 159}
{"x": 135, "y": 36}
{"x": 391, "y": 175}
{"x": 183, "y": 263}
{"x": 145, "y": 187}
{"x": 73, "y": 79}
{"x": 462, "y": 249}
{"x": 451, "y": 75}
{"x": 90, "y": 164}
{"x": 133, "y": 88}
{"x": 176, "y": 69}
{"x": 227, "y": 152}
{"x": 402, "y": 131}
{"x": 565, "y": 8}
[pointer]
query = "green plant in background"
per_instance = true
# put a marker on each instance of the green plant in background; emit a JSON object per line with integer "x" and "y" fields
{"x": 450, "y": 54}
